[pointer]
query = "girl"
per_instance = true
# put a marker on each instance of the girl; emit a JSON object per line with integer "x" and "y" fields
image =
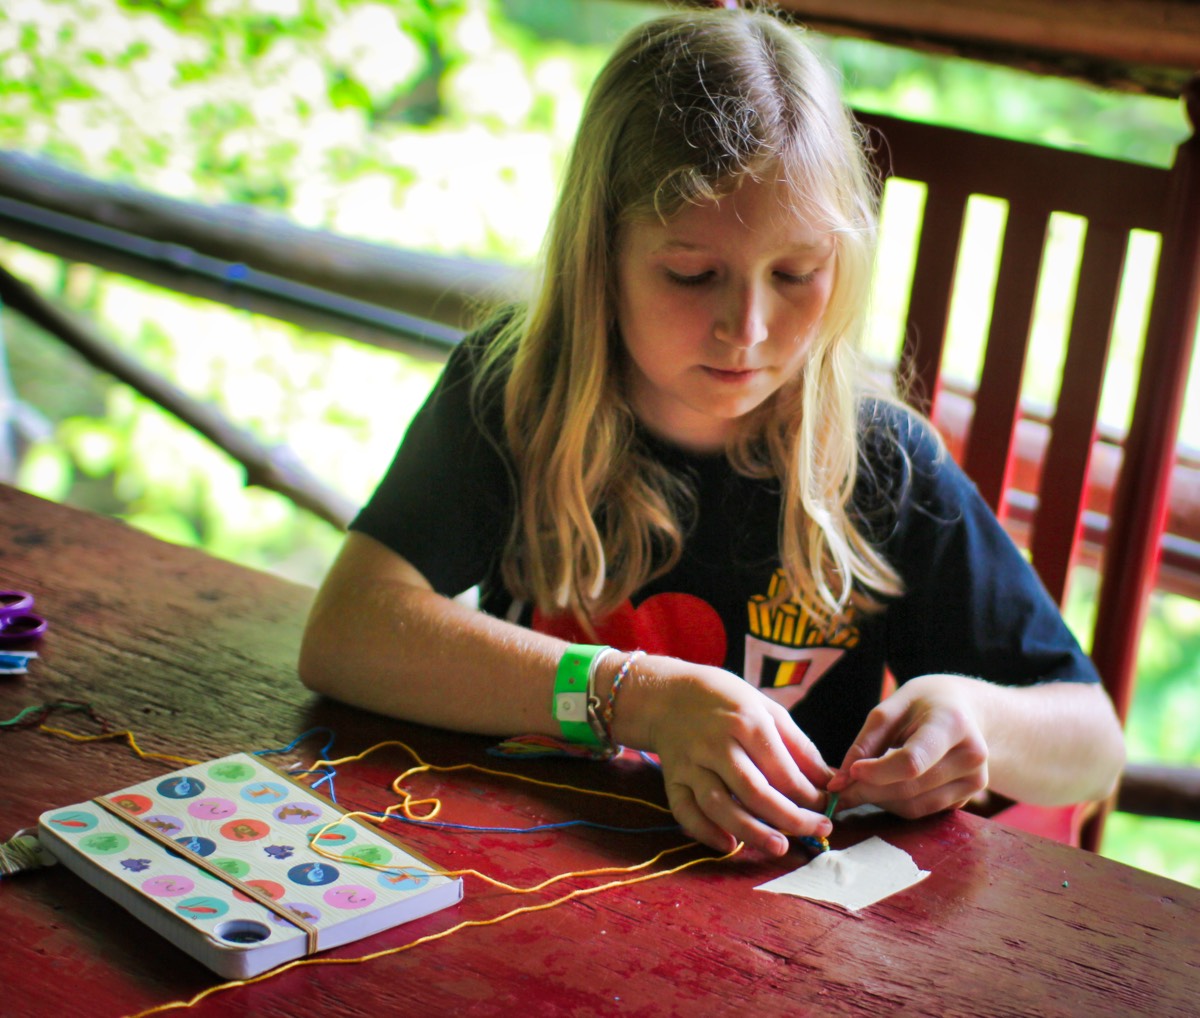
{"x": 673, "y": 450}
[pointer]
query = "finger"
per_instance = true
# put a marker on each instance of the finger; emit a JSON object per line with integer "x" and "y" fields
{"x": 788, "y": 759}
{"x": 924, "y": 750}
{"x": 693, "y": 821}
{"x": 878, "y": 732}
{"x": 954, "y": 795}
{"x": 760, "y": 801}
{"x": 802, "y": 750}
{"x": 717, "y": 809}
{"x": 964, "y": 766}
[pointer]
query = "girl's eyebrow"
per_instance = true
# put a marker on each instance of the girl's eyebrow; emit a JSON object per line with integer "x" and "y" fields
{"x": 676, "y": 244}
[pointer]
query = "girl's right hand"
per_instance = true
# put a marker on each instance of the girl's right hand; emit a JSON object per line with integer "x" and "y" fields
{"x": 735, "y": 765}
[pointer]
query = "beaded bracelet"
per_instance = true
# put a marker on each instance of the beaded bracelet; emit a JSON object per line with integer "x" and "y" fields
{"x": 611, "y": 704}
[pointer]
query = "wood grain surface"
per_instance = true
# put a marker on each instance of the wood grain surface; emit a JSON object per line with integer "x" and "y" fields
{"x": 197, "y": 657}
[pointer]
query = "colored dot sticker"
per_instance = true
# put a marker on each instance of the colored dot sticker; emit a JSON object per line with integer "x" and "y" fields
{"x": 169, "y": 886}
{"x": 297, "y": 813}
{"x": 313, "y": 874}
{"x": 73, "y": 821}
{"x": 301, "y": 910}
{"x": 236, "y": 868}
{"x": 231, "y": 772}
{"x": 245, "y": 830}
{"x": 270, "y": 888}
{"x": 197, "y": 845}
{"x": 134, "y": 804}
{"x": 349, "y": 897}
{"x": 103, "y": 843}
{"x": 402, "y": 879}
{"x": 266, "y": 792}
{"x": 202, "y": 908}
{"x": 212, "y": 808}
{"x": 332, "y": 836}
{"x": 181, "y": 786}
{"x": 171, "y": 826}
{"x": 372, "y": 855}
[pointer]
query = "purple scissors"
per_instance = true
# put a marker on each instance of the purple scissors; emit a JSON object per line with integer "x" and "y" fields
{"x": 18, "y": 623}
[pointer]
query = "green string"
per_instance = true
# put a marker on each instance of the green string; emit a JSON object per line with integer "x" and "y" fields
{"x": 32, "y": 715}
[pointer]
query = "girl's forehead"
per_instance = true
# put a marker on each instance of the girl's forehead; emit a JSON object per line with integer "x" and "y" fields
{"x": 762, "y": 213}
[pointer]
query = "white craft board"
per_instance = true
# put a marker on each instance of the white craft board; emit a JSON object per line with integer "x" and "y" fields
{"x": 183, "y": 852}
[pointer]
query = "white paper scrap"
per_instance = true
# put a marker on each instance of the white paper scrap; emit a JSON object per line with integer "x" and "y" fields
{"x": 854, "y": 877}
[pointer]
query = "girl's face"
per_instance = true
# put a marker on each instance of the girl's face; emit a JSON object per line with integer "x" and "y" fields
{"x": 717, "y": 309}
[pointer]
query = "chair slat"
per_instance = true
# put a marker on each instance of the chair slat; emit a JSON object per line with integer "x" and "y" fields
{"x": 1062, "y": 490}
{"x": 997, "y": 402}
{"x": 929, "y": 300}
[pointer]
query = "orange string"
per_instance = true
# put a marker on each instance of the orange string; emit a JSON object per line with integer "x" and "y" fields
{"x": 581, "y": 892}
{"x": 407, "y": 804}
{"x": 129, "y": 739}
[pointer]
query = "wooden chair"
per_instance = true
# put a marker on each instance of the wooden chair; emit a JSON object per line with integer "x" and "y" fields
{"x": 1047, "y": 510}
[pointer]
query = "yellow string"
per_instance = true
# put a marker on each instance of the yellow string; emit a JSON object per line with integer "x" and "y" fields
{"x": 406, "y": 804}
{"x": 128, "y": 737}
{"x": 571, "y": 896}
{"x": 397, "y": 784}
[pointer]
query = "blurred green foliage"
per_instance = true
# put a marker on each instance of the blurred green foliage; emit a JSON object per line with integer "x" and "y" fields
{"x": 438, "y": 125}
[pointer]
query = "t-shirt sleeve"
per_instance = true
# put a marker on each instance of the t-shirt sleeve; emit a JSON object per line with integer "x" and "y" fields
{"x": 445, "y": 502}
{"x": 973, "y": 604}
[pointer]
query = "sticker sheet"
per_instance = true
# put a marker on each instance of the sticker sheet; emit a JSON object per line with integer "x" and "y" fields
{"x": 218, "y": 855}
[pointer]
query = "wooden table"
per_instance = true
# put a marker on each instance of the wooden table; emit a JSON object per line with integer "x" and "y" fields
{"x": 196, "y": 656}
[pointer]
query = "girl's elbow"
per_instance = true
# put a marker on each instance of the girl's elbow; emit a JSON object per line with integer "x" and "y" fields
{"x": 314, "y": 663}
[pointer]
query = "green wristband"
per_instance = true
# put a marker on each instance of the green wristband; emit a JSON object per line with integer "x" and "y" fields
{"x": 574, "y": 704}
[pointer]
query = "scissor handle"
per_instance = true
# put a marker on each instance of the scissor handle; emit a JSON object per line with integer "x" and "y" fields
{"x": 19, "y": 628}
{"x": 15, "y": 602}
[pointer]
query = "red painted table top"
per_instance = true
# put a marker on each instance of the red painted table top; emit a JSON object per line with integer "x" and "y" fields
{"x": 197, "y": 657}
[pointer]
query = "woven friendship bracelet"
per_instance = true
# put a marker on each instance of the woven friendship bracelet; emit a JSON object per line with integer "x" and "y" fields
{"x": 610, "y": 706}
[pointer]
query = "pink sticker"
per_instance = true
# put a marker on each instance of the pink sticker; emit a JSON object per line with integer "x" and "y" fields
{"x": 168, "y": 886}
{"x": 349, "y": 896}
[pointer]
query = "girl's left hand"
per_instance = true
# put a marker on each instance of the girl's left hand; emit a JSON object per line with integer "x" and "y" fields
{"x": 922, "y": 750}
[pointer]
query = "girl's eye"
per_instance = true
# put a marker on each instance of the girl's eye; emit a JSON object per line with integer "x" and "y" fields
{"x": 682, "y": 279}
{"x": 800, "y": 280}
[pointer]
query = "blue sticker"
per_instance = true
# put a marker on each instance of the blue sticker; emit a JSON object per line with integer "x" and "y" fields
{"x": 180, "y": 787}
{"x": 404, "y": 880}
{"x": 313, "y": 874}
{"x": 197, "y": 845}
{"x": 266, "y": 792}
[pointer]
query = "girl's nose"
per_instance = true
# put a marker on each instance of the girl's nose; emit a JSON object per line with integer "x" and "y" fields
{"x": 742, "y": 315}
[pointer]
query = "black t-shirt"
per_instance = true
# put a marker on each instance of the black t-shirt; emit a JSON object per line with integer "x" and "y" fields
{"x": 972, "y": 604}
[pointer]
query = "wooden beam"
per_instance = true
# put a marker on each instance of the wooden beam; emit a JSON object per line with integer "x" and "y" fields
{"x": 1158, "y": 791}
{"x": 438, "y": 288}
{"x": 1147, "y": 46}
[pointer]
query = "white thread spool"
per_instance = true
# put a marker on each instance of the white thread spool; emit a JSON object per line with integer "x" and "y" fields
{"x": 23, "y": 852}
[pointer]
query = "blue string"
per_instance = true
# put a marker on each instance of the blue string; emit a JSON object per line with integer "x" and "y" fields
{"x": 299, "y": 739}
{"x": 536, "y": 828}
{"x": 328, "y": 774}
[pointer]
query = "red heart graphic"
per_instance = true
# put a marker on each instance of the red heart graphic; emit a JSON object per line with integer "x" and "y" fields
{"x": 679, "y": 625}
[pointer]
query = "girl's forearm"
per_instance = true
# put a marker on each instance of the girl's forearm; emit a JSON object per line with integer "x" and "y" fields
{"x": 1050, "y": 744}
{"x": 379, "y": 638}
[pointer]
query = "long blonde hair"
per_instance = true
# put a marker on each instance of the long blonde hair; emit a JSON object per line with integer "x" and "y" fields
{"x": 688, "y": 107}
